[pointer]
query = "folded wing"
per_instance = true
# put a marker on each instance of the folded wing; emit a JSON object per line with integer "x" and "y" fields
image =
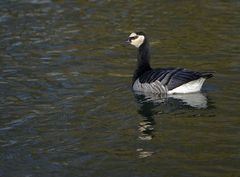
{"x": 172, "y": 77}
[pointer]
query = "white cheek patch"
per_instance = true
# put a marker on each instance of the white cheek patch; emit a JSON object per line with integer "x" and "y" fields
{"x": 132, "y": 35}
{"x": 138, "y": 41}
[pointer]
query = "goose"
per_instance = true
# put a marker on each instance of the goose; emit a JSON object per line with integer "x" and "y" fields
{"x": 162, "y": 80}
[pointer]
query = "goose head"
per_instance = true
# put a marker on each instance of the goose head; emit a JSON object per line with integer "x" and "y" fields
{"x": 136, "y": 39}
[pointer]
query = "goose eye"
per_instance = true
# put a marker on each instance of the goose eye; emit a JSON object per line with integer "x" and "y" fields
{"x": 134, "y": 37}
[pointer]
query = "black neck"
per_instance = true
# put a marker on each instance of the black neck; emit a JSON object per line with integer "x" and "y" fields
{"x": 143, "y": 57}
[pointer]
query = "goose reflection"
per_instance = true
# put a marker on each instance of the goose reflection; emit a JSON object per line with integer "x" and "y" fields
{"x": 195, "y": 100}
{"x": 152, "y": 104}
{"x": 164, "y": 104}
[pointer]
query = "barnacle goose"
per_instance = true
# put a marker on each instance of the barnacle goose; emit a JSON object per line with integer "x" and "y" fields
{"x": 162, "y": 80}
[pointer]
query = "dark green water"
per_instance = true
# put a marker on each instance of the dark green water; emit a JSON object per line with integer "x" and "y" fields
{"x": 65, "y": 86}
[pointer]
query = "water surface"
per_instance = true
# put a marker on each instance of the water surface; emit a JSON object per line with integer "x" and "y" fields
{"x": 67, "y": 108}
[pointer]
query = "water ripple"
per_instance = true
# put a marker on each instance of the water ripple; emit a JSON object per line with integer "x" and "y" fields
{"x": 65, "y": 89}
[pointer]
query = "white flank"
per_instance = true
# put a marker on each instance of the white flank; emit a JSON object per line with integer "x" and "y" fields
{"x": 157, "y": 87}
{"x": 190, "y": 87}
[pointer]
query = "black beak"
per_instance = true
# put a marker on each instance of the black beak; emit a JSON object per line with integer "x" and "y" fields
{"x": 128, "y": 40}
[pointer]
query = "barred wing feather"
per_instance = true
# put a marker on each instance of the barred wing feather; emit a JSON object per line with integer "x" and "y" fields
{"x": 172, "y": 77}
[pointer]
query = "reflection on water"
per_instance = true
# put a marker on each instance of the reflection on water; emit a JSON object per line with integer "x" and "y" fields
{"x": 66, "y": 107}
{"x": 146, "y": 129}
{"x": 143, "y": 153}
{"x": 196, "y": 100}
{"x": 148, "y": 102}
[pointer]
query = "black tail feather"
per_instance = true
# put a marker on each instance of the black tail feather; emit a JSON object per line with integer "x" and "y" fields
{"x": 207, "y": 75}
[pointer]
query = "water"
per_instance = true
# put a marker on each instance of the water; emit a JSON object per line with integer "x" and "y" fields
{"x": 65, "y": 86}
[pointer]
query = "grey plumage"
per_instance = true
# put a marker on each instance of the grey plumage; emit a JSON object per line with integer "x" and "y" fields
{"x": 172, "y": 77}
